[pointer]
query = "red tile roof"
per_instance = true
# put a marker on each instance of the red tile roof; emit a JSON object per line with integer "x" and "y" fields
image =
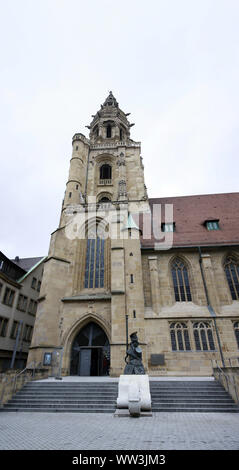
{"x": 190, "y": 214}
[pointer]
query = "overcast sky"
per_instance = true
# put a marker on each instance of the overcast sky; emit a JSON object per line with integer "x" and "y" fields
{"x": 174, "y": 64}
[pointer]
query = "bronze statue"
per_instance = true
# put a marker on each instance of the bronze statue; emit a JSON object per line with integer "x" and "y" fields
{"x": 135, "y": 365}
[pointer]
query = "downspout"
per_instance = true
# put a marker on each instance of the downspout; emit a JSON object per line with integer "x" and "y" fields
{"x": 210, "y": 308}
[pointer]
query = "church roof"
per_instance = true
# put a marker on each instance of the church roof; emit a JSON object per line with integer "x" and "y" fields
{"x": 27, "y": 263}
{"x": 190, "y": 214}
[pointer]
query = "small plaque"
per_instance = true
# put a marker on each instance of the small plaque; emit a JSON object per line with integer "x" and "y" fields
{"x": 157, "y": 360}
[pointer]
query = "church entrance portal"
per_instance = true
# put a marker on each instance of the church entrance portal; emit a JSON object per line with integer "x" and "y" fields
{"x": 90, "y": 354}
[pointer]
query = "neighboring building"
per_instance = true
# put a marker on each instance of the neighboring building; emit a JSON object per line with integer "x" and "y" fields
{"x": 20, "y": 282}
{"x": 177, "y": 284}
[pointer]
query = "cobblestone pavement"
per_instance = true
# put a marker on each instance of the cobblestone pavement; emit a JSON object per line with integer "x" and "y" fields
{"x": 162, "y": 431}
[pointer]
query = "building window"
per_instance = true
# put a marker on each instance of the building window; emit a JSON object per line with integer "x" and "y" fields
{"x": 212, "y": 224}
{"x": 104, "y": 200}
{"x": 22, "y": 303}
{"x": 180, "y": 281}
{"x": 8, "y": 296}
{"x": 38, "y": 286}
{"x": 203, "y": 336}
{"x": 1, "y": 288}
{"x": 108, "y": 131}
{"x": 32, "y": 308}
{"x": 231, "y": 267}
{"x": 236, "y": 330}
{"x": 3, "y": 326}
{"x": 34, "y": 283}
{"x": 14, "y": 331}
{"x": 179, "y": 337}
{"x": 70, "y": 195}
{"x": 105, "y": 172}
{"x": 168, "y": 227}
{"x": 131, "y": 278}
{"x": 27, "y": 333}
{"x": 94, "y": 268}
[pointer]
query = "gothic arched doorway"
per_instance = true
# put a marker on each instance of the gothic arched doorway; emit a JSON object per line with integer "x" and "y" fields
{"x": 90, "y": 354}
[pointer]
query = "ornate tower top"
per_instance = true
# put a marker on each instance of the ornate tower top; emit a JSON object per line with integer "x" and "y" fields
{"x": 110, "y": 122}
{"x": 110, "y": 101}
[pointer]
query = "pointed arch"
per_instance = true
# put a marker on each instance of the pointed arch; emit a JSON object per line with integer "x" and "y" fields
{"x": 179, "y": 336}
{"x": 89, "y": 347}
{"x": 231, "y": 269}
{"x": 181, "y": 285}
{"x": 203, "y": 336}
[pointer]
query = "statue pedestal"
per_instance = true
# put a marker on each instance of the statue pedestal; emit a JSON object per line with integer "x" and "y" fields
{"x": 133, "y": 396}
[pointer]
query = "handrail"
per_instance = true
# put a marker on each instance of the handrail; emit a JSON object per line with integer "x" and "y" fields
{"x": 15, "y": 378}
{"x": 227, "y": 378}
{"x": 17, "y": 375}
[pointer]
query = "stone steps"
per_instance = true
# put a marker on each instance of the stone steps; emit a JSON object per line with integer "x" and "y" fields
{"x": 65, "y": 397}
{"x": 187, "y": 396}
{"x": 100, "y": 397}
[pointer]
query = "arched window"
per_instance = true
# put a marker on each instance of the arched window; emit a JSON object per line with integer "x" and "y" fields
{"x": 180, "y": 281}
{"x": 236, "y": 330}
{"x": 203, "y": 336}
{"x": 179, "y": 337}
{"x": 231, "y": 267}
{"x": 104, "y": 199}
{"x": 94, "y": 266}
{"x": 105, "y": 172}
{"x": 108, "y": 131}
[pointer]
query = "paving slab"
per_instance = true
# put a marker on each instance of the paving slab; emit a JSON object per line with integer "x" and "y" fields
{"x": 162, "y": 431}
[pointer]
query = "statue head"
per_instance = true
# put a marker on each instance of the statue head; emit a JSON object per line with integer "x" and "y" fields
{"x": 134, "y": 338}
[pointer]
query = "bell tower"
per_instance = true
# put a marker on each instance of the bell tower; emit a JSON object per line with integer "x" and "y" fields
{"x": 90, "y": 278}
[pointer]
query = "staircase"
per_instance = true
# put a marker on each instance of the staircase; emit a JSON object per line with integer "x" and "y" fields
{"x": 191, "y": 396}
{"x": 100, "y": 397}
{"x": 70, "y": 397}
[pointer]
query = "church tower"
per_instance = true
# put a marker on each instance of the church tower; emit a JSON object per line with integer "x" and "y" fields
{"x": 92, "y": 287}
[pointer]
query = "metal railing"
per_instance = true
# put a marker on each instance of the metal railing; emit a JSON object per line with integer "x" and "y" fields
{"x": 27, "y": 375}
{"x": 217, "y": 371}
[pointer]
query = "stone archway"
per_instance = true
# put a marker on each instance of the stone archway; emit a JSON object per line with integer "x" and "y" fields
{"x": 90, "y": 352}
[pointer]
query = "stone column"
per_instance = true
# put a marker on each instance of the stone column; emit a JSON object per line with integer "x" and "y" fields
{"x": 154, "y": 281}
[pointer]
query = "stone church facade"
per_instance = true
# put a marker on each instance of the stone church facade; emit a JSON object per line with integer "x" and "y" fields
{"x": 120, "y": 262}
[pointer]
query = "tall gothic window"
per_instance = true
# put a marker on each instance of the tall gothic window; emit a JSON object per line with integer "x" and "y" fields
{"x": 231, "y": 267}
{"x": 94, "y": 267}
{"x": 179, "y": 337}
{"x": 236, "y": 330}
{"x": 203, "y": 336}
{"x": 105, "y": 172}
{"x": 180, "y": 281}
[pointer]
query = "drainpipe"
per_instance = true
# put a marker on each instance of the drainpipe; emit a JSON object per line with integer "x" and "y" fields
{"x": 210, "y": 308}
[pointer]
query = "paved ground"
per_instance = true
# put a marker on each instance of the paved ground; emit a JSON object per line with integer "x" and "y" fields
{"x": 163, "y": 431}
